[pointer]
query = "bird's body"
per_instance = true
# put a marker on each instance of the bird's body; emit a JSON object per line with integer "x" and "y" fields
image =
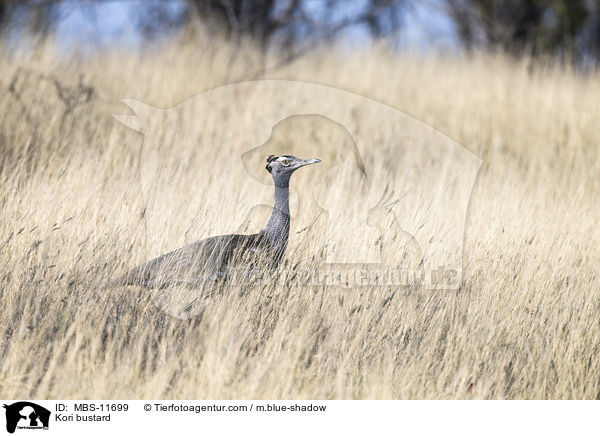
{"x": 208, "y": 262}
{"x": 199, "y": 263}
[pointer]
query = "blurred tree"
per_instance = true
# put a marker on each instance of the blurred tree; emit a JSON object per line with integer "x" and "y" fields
{"x": 293, "y": 26}
{"x": 37, "y": 17}
{"x": 566, "y": 28}
{"x": 291, "y": 21}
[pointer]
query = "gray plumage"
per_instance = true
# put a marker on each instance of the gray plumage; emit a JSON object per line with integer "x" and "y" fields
{"x": 214, "y": 260}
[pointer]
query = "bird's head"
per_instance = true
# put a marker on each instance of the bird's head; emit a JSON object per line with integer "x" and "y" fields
{"x": 282, "y": 167}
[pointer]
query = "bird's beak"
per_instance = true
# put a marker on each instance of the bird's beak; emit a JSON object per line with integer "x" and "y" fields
{"x": 305, "y": 162}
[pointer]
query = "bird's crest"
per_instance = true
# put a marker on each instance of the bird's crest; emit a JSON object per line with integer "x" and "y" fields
{"x": 270, "y": 159}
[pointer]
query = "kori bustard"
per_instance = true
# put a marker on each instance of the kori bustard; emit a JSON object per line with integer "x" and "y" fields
{"x": 207, "y": 262}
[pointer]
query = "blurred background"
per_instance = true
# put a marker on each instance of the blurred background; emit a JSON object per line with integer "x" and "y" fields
{"x": 567, "y": 30}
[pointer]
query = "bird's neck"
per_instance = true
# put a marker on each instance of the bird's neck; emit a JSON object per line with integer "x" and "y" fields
{"x": 278, "y": 227}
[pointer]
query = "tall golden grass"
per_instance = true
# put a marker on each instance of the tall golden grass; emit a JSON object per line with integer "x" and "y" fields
{"x": 523, "y": 325}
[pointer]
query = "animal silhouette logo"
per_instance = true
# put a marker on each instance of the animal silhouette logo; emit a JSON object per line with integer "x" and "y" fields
{"x": 407, "y": 189}
{"x": 26, "y": 415}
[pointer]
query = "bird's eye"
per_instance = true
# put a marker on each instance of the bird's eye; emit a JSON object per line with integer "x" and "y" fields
{"x": 286, "y": 162}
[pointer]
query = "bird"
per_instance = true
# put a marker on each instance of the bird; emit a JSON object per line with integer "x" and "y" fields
{"x": 211, "y": 261}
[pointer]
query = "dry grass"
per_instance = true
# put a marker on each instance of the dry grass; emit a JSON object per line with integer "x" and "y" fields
{"x": 523, "y": 325}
